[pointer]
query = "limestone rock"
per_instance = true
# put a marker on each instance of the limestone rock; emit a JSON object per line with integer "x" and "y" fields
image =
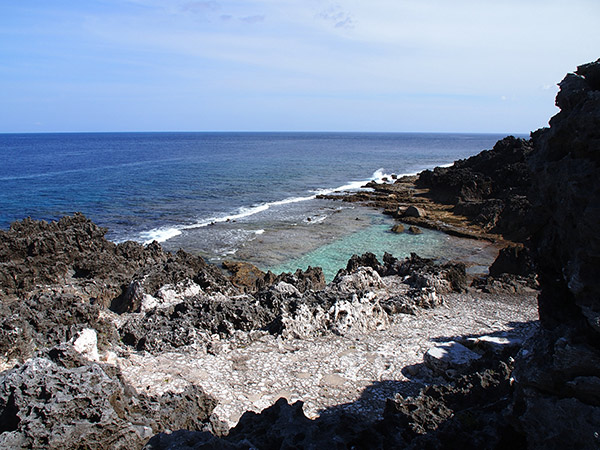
{"x": 449, "y": 355}
{"x": 398, "y": 228}
{"x": 59, "y": 400}
{"x": 87, "y": 344}
{"x": 362, "y": 280}
{"x": 414, "y": 230}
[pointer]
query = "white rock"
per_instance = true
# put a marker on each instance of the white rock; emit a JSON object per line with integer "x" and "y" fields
{"x": 148, "y": 303}
{"x": 496, "y": 343}
{"x": 360, "y": 314}
{"x": 286, "y": 289}
{"x": 170, "y": 295}
{"x": 449, "y": 355}
{"x": 87, "y": 344}
{"x": 364, "y": 278}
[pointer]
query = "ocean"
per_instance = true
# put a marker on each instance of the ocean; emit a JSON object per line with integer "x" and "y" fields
{"x": 245, "y": 196}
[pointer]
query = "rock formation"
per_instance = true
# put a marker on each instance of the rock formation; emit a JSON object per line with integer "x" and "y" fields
{"x": 490, "y": 188}
{"x": 555, "y": 398}
{"x": 558, "y": 401}
{"x": 60, "y": 400}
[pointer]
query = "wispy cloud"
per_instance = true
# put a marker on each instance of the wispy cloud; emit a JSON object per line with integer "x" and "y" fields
{"x": 338, "y": 17}
{"x": 253, "y": 19}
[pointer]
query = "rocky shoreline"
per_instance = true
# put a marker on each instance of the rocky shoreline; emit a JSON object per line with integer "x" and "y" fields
{"x": 126, "y": 346}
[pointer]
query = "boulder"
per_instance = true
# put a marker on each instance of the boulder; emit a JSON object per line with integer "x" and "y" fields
{"x": 413, "y": 211}
{"x": 515, "y": 260}
{"x": 244, "y": 276}
{"x": 449, "y": 356}
{"x": 414, "y": 230}
{"x": 398, "y": 228}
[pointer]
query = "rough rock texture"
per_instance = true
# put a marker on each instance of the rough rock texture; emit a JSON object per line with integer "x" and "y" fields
{"x": 558, "y": 374}
{"x": 309, "y": 279}
{"x": 251, "y": 279}
{"x": 58, "y": 278}
{"x": 513, "y": 271}
{"x": 356, "y": 298}
{"x": 553, "y": 399}
{"x": 49, "y": 318}
{"x": 60, "y": 400}
{"x": 490, "y": 188}
{"x": 172, "y": 302}
{"x": 74, "y": 252}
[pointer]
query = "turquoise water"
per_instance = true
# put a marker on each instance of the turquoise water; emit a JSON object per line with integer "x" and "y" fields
{"x": 376, "y": 239}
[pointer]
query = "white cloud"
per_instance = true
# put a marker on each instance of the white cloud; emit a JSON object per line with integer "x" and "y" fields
{"x": 337, "y": 16}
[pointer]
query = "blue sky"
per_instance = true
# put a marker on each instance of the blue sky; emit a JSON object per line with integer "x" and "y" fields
{"x": 267, "y": 65}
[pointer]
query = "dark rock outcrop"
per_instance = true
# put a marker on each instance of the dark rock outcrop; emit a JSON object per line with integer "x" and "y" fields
{"x": 49, "y": 318}
{"x": 490, "y": 188}
{"x": 74, "y": 252}
{"x": 60, "y": 400}
{"x": 513, "y": 271}
{"x": 191, "y": 321}
{"x": 558, "y": 375}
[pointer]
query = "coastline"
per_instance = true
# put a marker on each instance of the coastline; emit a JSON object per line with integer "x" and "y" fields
{"x": 170, "y": 323}
{"x": 128, "y": 346}
{"x": 146, "y": 313}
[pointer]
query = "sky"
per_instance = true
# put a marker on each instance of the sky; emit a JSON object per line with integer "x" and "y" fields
{"x": 289, "y": 65}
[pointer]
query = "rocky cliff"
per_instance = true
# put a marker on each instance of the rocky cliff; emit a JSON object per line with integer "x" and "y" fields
{"x": 490, "y": 188}
{"x": 558, "y": 399}
{"x": 73, "y": 303}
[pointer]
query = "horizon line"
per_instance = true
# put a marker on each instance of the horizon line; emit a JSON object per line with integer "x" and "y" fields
{"x": 507, "y": 133}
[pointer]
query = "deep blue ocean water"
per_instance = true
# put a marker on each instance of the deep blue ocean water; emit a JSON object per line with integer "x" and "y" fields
{"x": 211, "y": 192}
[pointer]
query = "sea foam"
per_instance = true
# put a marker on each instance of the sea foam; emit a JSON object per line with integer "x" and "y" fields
{"x": 159, "y": 234}
{"x": 165, "y": 233}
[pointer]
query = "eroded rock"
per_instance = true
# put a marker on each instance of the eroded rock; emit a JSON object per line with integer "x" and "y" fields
{"x": 60, "y": 400}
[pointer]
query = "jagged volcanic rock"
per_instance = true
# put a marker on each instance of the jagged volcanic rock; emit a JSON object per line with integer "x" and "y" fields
{"x": 74, "y": 251}
{"x": 491, "y": 188}
{"x": 49, "y": 318}
{"x": 559, "y": 374}
{"x": 60, "y": 400}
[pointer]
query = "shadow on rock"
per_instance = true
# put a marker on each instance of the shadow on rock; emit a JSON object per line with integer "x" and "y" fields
{"x": 470, "y": 410}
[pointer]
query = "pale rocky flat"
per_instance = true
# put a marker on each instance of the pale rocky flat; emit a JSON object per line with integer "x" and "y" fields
{"x": 355, "y": 371}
